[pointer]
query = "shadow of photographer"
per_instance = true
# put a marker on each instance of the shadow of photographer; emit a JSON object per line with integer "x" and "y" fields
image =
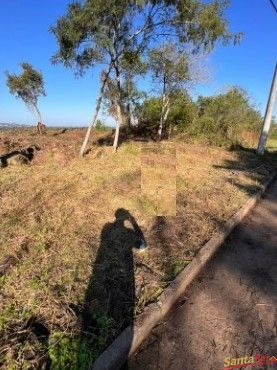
{"x": 109, "y": 302}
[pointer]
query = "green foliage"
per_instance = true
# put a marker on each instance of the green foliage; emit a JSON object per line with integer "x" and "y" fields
{"x": 106, "y": 330}
{"x": 273, "y": 128}
{"x": 175, "y": 268}
{"x": 223, "y": 118}
{"x": 170, "y": 69}
{"x": 90, "y": 29}
{"x": 100, "y": 126}
{"x": 182, "y": 114}
{"x": 63, "y": 351}
{"x": 7, "y": 314}
{"x": 272, "y": 138}
{"x": 203, "y": 24}
{"x": 169, "y": 66}
{"x": 150, "y": 110}
{"x": 27, "y": 86}
{"x": 11, "y": 313}
{"x": 69, "y": 352}
{"x": 119, "y": 34}
{"x": 86, "y": 32}
{"x": 76, "y": 353}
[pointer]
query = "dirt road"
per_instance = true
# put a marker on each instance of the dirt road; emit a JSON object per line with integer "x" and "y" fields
{"x": 230, "y": 310}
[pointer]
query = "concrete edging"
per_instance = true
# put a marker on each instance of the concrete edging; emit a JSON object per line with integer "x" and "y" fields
{"x": 132, "y": 337}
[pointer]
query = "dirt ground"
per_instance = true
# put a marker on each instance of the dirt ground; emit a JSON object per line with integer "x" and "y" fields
{"x": 230, "y": 310}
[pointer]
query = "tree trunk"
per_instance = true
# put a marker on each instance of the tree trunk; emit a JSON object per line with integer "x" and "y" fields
{"x": 116, "y": 136}
{"x": 118, "y": 124}
{"x": 128, "y": 105}
{"x": 169, "y": 131}
{"x": 167, "y": 109}
{"x": 98, "y": 106}
{"x": 160, "y": 130}
{"x": 39, "y": 118}
{"x": 128, "y": 114}
{"x": 164, "y": 114}
{"x": 118, "y": 108}
{"x": 38, "y": 114}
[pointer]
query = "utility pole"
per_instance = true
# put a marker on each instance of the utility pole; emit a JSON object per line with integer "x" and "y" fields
{"x": 268, "y": 114}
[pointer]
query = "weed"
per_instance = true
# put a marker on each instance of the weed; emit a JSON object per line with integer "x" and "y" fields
{"x": 63, "y": 350}
{"x": 7, "y": 314}
{"x": 175, "y": 268}
{"x": 70, "y": 351}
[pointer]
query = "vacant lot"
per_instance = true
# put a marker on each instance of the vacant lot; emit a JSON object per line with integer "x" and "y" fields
{"x": 71, "y": 232}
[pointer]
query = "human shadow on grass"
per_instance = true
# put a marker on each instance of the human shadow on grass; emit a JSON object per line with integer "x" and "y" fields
{"x": 109, "y": 302}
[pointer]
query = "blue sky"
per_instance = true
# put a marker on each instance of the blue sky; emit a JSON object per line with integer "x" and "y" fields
{"x": 24, "y": 26}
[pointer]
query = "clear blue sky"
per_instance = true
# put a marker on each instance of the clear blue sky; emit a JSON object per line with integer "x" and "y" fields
{"x": 24, "y": 26}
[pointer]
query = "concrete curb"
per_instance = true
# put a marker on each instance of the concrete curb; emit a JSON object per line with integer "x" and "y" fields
{"x": 132, "y": 337}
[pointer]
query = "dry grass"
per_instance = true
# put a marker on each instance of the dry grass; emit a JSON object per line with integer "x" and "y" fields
{"x": 53, "y": 210}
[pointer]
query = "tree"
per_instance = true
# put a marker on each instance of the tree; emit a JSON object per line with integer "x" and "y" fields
{"x": 93, "y": 33}
{"x": 170, "y": 70}
{"x": 130, "y": 96}
{"x": 27, "y": 86}
{"x": 181, "y": 116}
{"x": 132, "y": 67}
{"x": 104, "y": 80}
{"x": 100, "y": 125}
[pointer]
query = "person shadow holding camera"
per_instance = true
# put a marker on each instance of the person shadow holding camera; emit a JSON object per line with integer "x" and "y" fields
{"x": 110, "y": 297}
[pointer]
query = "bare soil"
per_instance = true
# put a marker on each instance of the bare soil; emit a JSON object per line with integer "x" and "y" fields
{"x": 230, "y": 310}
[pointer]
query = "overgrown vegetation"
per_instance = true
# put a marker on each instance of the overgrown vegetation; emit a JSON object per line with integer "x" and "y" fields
{"x": 178, "y": 193}
{"x": 225, "y": 119}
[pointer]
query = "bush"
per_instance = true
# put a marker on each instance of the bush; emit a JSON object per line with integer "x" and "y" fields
{"x": 182, "y": 113}
{"x": 223, "y": 119}
{"x": 100, "y": 126}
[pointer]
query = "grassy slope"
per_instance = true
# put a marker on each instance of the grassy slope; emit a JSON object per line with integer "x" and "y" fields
{"x": 53, "y": 210}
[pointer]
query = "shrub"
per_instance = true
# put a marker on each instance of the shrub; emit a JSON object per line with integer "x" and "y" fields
{"x": 182, "y": 113}
{"x": 224, "y": 118}
{"x": 100, "y": 126}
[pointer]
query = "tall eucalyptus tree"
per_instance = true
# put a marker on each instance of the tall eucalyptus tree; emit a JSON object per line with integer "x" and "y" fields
{"x": 94, "y": 32}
